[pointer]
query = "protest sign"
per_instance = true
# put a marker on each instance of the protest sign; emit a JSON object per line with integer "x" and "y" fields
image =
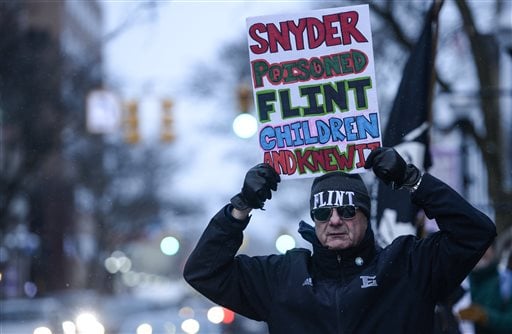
{"x": 314, "y": 90}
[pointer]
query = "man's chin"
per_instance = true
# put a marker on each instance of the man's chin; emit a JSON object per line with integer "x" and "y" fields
{"x": 338, "y": 245}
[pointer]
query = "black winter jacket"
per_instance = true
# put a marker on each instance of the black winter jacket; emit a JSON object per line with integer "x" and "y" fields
{"x": 365, "y": 289}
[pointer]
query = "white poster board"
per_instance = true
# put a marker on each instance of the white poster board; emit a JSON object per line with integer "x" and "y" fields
{"x": 314, "y": 90}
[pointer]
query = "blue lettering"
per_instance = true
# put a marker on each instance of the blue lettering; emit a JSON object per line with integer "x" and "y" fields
{"x": 370, "y": 126}
{"x": 349, "y": 128}
{"x": 307, "y": 136}
{"x": 296, "y": 131}
{"x": 336, "y": 124}
{"x": 323, "y": 130}
{"x": 283, "y": 135}
{"x": 267, "y": 138}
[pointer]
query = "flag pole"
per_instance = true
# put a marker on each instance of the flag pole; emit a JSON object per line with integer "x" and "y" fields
{"x": 436, "y": 8}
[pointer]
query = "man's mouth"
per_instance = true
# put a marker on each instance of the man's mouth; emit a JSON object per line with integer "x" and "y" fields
{"x": 337, "y": 234}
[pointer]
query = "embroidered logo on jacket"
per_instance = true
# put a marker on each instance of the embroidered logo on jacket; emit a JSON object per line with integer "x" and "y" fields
{"x": 368, "y": 281}
{"x": 308, "y": 281}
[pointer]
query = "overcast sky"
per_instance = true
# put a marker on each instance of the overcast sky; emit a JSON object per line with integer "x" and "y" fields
{"x": 158, "y": 48}
{"x": 152, "y": 57}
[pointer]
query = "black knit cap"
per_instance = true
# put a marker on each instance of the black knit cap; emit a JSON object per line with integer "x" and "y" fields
{"x": 338, "y": 188}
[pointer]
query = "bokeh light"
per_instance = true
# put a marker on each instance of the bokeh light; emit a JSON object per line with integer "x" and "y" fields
{"x": 284, "y": 243}
{"x": 190, "y": 326}
{"x": 215, "y": 314}
{"x": 245, "y": 125}
{"x": 169, "y": 245}
{"x": 42, "y": 330}
{"x": 144, "y": 329}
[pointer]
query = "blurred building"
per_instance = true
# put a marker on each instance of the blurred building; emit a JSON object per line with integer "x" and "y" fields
{"x": 59, "y": 48}
{"x": 76, "y": 24}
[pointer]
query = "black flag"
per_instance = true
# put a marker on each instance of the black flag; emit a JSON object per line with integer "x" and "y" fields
{"x": 407, "y": 131}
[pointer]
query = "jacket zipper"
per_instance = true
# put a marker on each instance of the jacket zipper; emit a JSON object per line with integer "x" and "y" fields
{"x": 338, "y": 298}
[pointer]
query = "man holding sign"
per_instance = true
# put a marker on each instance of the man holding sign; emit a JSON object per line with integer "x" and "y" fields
{"x": 315, "y": 98}
{"x": 347, "y": 284}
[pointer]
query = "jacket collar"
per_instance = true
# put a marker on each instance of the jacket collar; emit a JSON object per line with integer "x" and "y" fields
{"x": 335, "y": 264}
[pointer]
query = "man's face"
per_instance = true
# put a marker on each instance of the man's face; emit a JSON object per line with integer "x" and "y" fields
{"x": 338, "y": 233}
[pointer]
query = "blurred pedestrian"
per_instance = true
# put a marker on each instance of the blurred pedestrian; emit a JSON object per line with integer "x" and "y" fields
{"x": 347, "y": 284}
{"x": 491, "y": 306}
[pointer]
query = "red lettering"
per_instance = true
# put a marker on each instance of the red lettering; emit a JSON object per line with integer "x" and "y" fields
{"x": 303, "y": 161}
{"x": 328, "y": 155}
{"x": 253, "y": 32}
{"x": 283, "y": 161}
{"x": 348, "y": 23}
{"x": 279, "y": 161}
{"x": 344, "y": 162}
{"x": 373, "y": 146}
{"x": 291, "y": 163}
{"x": 311, "y": 160}
{"x": 298, "y": 32}
{"x": 330, "y": 31}
{"x": 317, "y": 158}
{"x": 279, "y": 37}
{"x": 316, "y": 32}
{"x": 360, "y": 153}
{"x": 327, "y": 30}
{"x": 267, "y": 158}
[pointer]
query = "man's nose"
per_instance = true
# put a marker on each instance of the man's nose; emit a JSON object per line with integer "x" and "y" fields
{"x": 335, "y": 218}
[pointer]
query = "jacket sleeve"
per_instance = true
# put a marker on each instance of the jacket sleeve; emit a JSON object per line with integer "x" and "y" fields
{"x": 240, "y": 283}
{"x": 443, "y": 259}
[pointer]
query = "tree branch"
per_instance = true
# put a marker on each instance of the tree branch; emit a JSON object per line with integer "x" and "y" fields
{"x": 399, "y": 34}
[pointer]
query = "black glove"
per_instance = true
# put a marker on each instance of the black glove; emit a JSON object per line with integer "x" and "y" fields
{"x": 258, "y": 183}
{"x": 392, "y": 169}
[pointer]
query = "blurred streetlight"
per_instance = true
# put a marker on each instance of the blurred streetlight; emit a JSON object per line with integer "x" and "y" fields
{"x": 284, "y": 243}
{"x": 245, "y": 125}
{"x": 169, "y": 245}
